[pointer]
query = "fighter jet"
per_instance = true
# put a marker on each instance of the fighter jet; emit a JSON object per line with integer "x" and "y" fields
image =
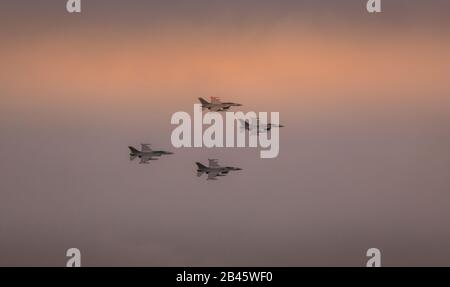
{"x": 146, "y": 154}
{"x": 216, "y": 105}
{"x": 258, "y": 128}
{"x": 214, "y": 170}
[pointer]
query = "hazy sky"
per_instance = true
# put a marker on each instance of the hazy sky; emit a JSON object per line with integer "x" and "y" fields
{"x": 364, "y": 157}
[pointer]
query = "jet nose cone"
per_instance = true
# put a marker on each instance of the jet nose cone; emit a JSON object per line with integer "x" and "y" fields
{"x": 281, "y": 126}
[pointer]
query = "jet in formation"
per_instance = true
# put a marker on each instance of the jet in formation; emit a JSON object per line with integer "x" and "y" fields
{"x": 146, "y": 153}
{"x": 214, "y": 169}
{"x": 216, "y": 105}
{"x": 258, "y": 128}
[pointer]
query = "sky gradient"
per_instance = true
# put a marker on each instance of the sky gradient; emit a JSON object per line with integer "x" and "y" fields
{"x": 364, "y": 157}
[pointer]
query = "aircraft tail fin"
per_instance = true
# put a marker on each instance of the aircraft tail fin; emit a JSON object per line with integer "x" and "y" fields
{"x": 200, "y": 166}
{"x": 133, "y": 152}
{"x": 203, "y": 101}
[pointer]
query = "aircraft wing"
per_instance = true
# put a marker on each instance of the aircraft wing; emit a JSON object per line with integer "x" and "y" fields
{"x": 244, "y": 124}
{"x": 212, "y": 175}
{"x": 213, "y": 163}
{"x": 215, "y": 100}
{"x": 146, "y": 158}
{"x": 216, "y": 108}
{"x": 263, "y": 128}
{"x": 145, "y": 148}
{"x": 254, "y": 132}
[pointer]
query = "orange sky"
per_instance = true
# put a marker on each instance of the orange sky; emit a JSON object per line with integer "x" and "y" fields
{"x": 279, "y": 62}
{"x": 364, "y": 154}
